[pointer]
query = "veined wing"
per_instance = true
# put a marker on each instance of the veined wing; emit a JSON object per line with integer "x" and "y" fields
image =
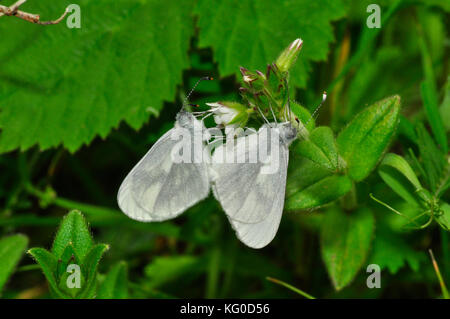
{"x": 158, "y": 189}
{"x": 247, "y": 191}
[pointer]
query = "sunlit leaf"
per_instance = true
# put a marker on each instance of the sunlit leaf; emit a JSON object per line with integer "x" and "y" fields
{"x": 66, "y": 86}
{"x": 362, "y": 142}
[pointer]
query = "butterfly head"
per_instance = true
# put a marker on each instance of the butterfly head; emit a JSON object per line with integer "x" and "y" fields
{"x": 185, "y": 119}
{"x": 288, "y": 133}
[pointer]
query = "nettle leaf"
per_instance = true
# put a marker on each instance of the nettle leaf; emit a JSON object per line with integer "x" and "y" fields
{"x": 345, "y": 242}
{"x": 320, "y": 148}
{"x": 269, "y": 26}
{"x": 398, "y": 174}
{"x": 75, "y": 232}
{"x": 11, "y": 250}
{"x": 362, "y": 142}
{"x": 310, "y": 185}
{"x": 122, "y": 64}
{"x": 115, "y": 284}
{"x": 48, "y": 263}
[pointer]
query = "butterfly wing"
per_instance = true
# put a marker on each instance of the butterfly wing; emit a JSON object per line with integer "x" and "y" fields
{"x": 252, "y": 200}
{"x": 158, "y": 189}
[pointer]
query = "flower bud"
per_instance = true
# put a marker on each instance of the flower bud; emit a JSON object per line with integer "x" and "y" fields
{"x": 288, "y": 57}
{"x": 229, "y": 113}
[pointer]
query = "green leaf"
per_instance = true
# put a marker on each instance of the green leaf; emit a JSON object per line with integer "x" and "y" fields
{"x": 362, "y": 142}
{"x": 310, "y": 185}
{"x": 396, "y": 172}
{"x": 320, "y": 193}
{"x": 392, "y": 252}
{"x": 434, "y": 161}
{"x": 11, "y": 250}
{"x": 345, "y": 242}
{"x": 320, "y": 148}
{"x": 444, "y": 218}
{"x": 445, "y": 106}
{"x": 73, "y": 230}
{"x": 48, "y": 264}
{"x": 304, "y": 117}
{"x": 89, "y": 270}
{"x": 66, "y": 86}
{"x": 269, "y": 26}
{"x": 70, "y": 291}
{"x": 115, "y": 284}
{"x": 69, "y": 256}
{"x": 430, "y": 104}
{"x": 166, "y": 269}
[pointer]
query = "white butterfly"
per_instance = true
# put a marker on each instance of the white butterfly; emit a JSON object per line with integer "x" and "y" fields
{"x": 252, "y": 194}
{"x": 160, "y": 186}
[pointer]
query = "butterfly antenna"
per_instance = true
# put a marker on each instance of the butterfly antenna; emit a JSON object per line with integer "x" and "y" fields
{"x": 273, "y": 114}
{"x": 324, "y": 98}
{"x": 262, "y": 114}
{"x": 186, "y": 99}
{"x": 289, "y": 115}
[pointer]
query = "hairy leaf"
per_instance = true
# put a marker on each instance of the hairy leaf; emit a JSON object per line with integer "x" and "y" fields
{"x": 345, "y": 242}
{"x": 61, "y": 85}
{"x": 48, "y": 264}
{"x": 310, "y": 185}
{"x": 269, "y": 26}
{"x": 320, "y": 148}
{"x": 362, "y": 142}
{"x": 74, "y": 231}
{"x": 320, "y": 193}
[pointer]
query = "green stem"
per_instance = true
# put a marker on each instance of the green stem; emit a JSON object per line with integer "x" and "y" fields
{"x": 290, "y": 287}
{"x": 213, "y": 273}
{"x": 445, "y": 293}
{"x": 28, "y": 268}
{"x": 445, "y": 253}
{"x": 102, "y": 216}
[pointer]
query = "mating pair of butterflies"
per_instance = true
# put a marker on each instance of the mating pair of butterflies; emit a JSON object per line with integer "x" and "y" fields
{"x": 159, "y": 188}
